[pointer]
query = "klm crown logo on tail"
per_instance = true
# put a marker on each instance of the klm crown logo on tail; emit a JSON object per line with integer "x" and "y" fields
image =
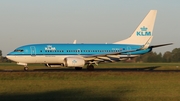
{"x": 143, "y": 32}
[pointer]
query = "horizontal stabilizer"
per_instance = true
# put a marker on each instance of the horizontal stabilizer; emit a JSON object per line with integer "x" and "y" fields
{"x": 155, "y": 46}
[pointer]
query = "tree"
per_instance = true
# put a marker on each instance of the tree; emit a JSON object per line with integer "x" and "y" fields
{"x": 167, "y": 56}
{"x": 175, "y": 55}
{"x": 159, "y": 57}
{"x": 0, "y": 55}
{"x": 149, "y": 57}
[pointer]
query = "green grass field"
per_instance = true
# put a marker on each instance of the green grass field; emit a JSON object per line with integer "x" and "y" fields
{"x": 91, "y": 86}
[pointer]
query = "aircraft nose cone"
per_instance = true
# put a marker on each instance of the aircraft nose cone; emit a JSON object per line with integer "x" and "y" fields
{"x": 9, "y": 57}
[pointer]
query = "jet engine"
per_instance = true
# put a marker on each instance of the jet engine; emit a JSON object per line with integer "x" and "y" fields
{"x": 74, "y": 62}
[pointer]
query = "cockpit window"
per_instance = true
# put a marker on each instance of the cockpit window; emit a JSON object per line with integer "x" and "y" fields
{"x": 18, "y": 50}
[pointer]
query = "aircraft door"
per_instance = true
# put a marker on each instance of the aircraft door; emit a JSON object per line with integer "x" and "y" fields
{"x": 78, "y": 51}
{"x": 128, "y": 49}
{"x": 33, "y": 51}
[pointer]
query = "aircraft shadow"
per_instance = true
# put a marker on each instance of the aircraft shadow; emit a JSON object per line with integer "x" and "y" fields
{"x": 103, "y": 69}
{"x": 73, "y": 94}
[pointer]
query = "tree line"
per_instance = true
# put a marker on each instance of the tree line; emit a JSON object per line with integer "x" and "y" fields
{"x": 3, "y": 59}
{"x": 173, "y": 56}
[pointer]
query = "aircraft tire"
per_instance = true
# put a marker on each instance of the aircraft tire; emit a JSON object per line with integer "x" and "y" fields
{"x": 90, "y": 67}
{"x": 78, "y": 68}
{"x": 26, "y": 68}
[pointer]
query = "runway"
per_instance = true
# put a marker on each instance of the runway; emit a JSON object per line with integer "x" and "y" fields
{"x": 144, "y": 69}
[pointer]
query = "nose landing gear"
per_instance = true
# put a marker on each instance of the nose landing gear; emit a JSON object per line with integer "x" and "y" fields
{"x": 26, "y": 68}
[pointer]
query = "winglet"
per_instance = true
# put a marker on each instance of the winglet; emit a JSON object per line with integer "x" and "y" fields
{"x": 74, "y": 42}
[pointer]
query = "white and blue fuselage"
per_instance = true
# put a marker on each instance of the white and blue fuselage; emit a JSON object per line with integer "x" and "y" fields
{"x": 56, "y": 53}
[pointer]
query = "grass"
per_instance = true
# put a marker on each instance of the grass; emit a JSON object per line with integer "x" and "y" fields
{"x": 88, "y": 86}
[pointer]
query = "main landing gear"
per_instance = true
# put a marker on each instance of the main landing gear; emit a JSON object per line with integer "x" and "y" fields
{"x": 90, "y": 67}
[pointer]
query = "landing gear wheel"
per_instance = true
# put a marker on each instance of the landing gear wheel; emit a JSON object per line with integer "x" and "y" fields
{"x": 78, "y": 68}
{"x": 90, "y": 67}
{"x": 26, "y": 68}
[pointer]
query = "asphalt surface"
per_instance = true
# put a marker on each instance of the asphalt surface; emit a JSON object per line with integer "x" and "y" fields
{"x": 145, "y": 69}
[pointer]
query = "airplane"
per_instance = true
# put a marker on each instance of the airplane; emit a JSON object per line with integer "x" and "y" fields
{"x": 78, "y": 55}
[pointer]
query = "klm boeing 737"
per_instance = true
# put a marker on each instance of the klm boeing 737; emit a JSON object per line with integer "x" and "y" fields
{"x": 78, "y": 55}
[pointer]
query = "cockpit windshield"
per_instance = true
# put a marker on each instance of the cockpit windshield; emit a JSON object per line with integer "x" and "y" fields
{"x": 18, "y": 50}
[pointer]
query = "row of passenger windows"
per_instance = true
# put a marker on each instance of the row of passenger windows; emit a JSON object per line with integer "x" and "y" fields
{"x": 93, "y": 50}
{"x": 83, "y": 51}
{"x": 53, "y": 51}
{"x": 18, "y": 50}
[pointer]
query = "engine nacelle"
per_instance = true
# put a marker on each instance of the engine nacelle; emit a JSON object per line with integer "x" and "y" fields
{"x": 74, "y": 62}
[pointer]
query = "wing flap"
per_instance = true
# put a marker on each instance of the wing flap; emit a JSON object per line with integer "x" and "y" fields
{"x": 106, "y": 55}
{"x": 110, "y": 57}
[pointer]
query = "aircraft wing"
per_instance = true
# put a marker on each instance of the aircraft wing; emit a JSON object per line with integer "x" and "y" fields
{"x": 155, "y": 46}
{"x": 110, "y": 57}
{"x": 104, "y": 55}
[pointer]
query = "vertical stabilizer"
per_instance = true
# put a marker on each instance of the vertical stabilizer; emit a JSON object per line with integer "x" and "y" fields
{"x": 143, "y": 34}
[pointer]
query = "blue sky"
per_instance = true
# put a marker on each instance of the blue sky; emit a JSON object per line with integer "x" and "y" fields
{"x": 88, "y": 21}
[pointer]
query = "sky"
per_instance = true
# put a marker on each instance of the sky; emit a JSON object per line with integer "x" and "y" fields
{"x": 25, "y": 22}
